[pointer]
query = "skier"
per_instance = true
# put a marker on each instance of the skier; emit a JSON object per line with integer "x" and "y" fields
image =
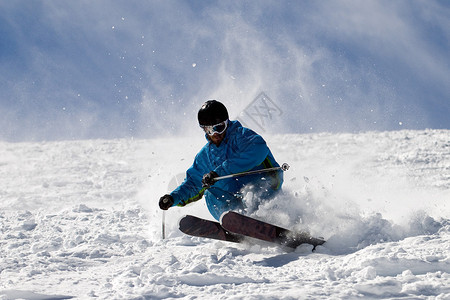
{"x": 231, "y": 148}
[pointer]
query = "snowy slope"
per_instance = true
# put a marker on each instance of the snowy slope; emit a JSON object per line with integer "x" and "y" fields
{"x": 80, "y": 219}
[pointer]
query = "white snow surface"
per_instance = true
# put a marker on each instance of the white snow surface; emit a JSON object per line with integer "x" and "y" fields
{"x": 80, "y": 219}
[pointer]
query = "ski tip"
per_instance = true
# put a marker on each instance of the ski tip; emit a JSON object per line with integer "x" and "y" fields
{"x": 222, "y": 216}
{"x": 228, "y": 214}
{"x": 186, "y": 220}
{"x": 182, "y": 221}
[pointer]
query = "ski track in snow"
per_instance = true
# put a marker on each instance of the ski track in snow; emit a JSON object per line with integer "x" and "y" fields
{"x": 79, "y": 219}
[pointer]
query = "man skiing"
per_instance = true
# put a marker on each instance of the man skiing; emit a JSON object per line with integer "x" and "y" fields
{"x": 231, "y": 149}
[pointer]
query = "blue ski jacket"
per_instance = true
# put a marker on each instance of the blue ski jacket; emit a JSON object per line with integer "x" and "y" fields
{"x": 241, "y": 150}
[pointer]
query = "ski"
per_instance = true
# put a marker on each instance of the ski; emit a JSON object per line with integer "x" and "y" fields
{"x": 257, "y": 229}
{"x": 236, "y": 227}
{"x": 207, "y": 229}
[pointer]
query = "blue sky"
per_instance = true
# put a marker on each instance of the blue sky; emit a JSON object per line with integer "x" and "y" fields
{"x": 109, "y": 69}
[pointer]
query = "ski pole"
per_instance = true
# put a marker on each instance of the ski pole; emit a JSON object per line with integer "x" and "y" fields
{"x": 284, "y": 167}
{"x": 163, "y": 225}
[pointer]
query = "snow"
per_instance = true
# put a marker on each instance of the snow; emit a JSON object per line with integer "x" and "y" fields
{"x": 79, "y": 219}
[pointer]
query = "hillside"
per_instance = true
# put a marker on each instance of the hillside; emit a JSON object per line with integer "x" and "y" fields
{"x": 80, "y": 219}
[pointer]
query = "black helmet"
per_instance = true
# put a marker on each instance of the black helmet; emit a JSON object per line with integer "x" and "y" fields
{"x": 212, "y": 112}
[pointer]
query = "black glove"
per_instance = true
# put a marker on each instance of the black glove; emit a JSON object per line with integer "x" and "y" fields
{"x": 208, "y": 179}
{"x": 165, "y": 202}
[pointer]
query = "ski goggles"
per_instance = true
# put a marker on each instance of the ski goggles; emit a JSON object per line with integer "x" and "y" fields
{"x": 218, "y": 128}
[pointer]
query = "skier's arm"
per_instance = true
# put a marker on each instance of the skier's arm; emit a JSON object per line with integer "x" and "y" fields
{"x": 251, "y": 151}
{"x": 191, "y": 189}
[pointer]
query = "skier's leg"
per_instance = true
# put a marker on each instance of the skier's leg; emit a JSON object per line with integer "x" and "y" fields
{"x": 219, "y": 201}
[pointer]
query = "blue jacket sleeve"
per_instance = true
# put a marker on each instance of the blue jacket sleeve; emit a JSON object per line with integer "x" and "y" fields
{"x": 191, "y": 189}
